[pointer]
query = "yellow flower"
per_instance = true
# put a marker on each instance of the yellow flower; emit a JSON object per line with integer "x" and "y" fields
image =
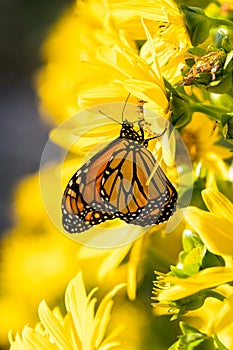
{"x": 170, "y": 38}
{"x": 127, "y": 16}
{"x": 162, "y": 18}
{"x": 73, "y": 76}
{"x": 201, "y": 143}
{"x": 214, "y": 227}
{"x": 81, "y": 328}
{"x": 129, "y": 73}
{"x": 214, "y": 316}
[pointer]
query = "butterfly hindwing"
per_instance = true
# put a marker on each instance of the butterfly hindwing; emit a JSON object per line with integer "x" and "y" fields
{"x": 161, "y": 210}
{"x": 138, "y": 202}
{"x": 162, "y": 196}
{"x": 124, "y": 186}
{"x": 121, "y": 186}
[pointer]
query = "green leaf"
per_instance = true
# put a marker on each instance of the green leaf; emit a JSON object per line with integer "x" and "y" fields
{"x": 180, "y": 112}
{"x": 197, "y": 3}
{"x": 201, "y": 32}
{"x": 189, "y": 62}
{"x": 197, "y": 51}
{"x": 227, "y": 123}
{"x": 222, "y": 85}
{"x": 197, "y": 23}
{"x": 229, "y": 62}
{"x": 186, "y": 328}
{"x": 211, "y": 260}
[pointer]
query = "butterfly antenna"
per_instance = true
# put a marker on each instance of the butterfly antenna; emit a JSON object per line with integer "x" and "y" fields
{"x": 109, "y": 117}
{"x": 123, "y": 110}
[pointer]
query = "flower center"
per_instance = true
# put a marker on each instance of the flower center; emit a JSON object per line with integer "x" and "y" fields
{"x": 191, "y": 141}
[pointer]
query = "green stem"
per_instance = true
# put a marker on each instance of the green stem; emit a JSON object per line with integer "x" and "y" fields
{"x": 220, "y": 22}
{"x": 213, "y": 111}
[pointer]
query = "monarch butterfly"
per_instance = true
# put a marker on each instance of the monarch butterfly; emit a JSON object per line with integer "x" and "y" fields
{"x": 114, "y": 184}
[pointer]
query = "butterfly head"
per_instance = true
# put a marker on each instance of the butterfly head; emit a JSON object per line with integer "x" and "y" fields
{"x": 128, "y": 132}
{"x": 127, "y": 124}
{"x": 127, "y": 128}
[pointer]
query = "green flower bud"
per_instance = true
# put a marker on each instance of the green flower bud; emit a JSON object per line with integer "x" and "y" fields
{"x": 223, "y": 38}
{"x": 213, "y": 70}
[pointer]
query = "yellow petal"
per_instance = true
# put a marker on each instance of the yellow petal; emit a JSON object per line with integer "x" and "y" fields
{"x": 153, "y": 53}
{"x": 76, "y": 302}
{"x": 111, "y": 341}
{"x": 224, "y": 317}
{"x": 214, "y": 160}
{"x": 218, "y": 204}
{"x": 183, "y": 287}
{"x": 148, "y": 91}
{"x": 103, "y": 315}
{"x": 114, "y": 258}
{"x": 215, "y": 232}
{"x": 36, "y": 341}
{"x": 84, "y": 142}
{"x": 134, "y": 259}
{"x": 102, "y": 94}
{"x": 110, "y": 345}
{"x": 53, "y": 326}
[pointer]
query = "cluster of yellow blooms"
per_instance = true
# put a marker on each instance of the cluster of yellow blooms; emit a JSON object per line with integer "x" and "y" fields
{"x": 100, "y": 51}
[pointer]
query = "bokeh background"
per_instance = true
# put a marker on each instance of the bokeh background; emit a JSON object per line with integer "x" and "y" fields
{"x": 37, "y": 262}
{"x": 23, "y": 26}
